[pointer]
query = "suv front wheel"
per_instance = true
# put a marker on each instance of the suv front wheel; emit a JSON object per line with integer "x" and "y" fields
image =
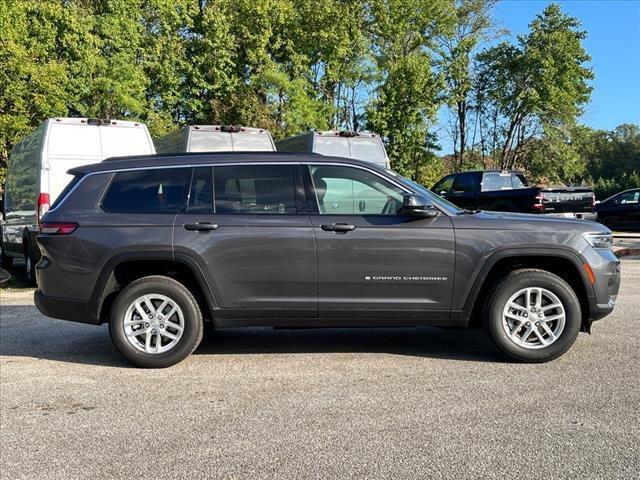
{"x": 532, "y": 316}
{"x": 155, "y": 322}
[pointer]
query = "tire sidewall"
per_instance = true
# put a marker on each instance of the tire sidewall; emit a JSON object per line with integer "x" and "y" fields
{"x": 191, "y": 334}
{"x": 549, "y": 282}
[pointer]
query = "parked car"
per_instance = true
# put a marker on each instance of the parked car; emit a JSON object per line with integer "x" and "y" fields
{"x": 510, "y": 192}
{"x": 621, "y": 211}
{"x": 38, "y": 173}
{"x": 368, "y": 147}
{"x": 156, "y": 246}
{"x": 215, "y": 138}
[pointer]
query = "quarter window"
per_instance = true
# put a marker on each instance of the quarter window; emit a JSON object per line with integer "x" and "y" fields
{"x": 255, "y": 189}
{"x": 147, "y": 191}
{"x": 352, "y": 191}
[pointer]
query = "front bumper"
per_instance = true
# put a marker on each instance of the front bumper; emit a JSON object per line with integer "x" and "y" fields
{"x": 65, "y": 308}
{"x": 606, "y": 269}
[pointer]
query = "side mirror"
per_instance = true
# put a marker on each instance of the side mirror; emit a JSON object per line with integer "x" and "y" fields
{"x": 415, "y": 206}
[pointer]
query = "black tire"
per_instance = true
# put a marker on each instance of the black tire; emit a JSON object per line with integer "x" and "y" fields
{"x": 510, "y": 285}
{"x": 191, "y": 335}
{"x": 29, "y": 265}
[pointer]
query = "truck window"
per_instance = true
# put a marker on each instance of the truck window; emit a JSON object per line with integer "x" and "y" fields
{"x": 500, "y": 181}
{"x": 444, "y": 186}
{"x": 147, "y": 191}
{"x": 465, "y": 182}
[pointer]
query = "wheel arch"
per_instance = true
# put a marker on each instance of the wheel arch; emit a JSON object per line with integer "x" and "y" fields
{"x": 564, "y": 263}
{"x": 126, "y": 267}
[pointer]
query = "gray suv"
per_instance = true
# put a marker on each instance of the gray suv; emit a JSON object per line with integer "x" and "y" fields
{"x": 159, "y": 246}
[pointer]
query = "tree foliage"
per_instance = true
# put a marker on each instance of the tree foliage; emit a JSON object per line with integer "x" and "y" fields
{"x": 294, "y": 65}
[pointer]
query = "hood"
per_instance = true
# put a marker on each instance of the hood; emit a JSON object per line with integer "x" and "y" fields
{"x": 526, "y": 222}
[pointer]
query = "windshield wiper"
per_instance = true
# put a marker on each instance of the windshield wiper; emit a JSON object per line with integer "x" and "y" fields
{"x": 468, "y": 212}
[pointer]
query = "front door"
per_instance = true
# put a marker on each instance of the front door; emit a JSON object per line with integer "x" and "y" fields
{"x": 373, "y": 264}
{"x": 247, "y": 226}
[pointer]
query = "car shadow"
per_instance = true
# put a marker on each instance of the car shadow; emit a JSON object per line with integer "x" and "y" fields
{"x": 428, "y": 342}
{"x": 25, "y": 333}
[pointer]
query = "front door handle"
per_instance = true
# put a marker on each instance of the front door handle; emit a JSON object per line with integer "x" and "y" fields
{"x": 201, "y": 227}
{"x": 338, "y": 227}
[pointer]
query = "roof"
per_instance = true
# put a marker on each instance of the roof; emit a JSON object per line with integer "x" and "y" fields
{"x": 208, "y": 158}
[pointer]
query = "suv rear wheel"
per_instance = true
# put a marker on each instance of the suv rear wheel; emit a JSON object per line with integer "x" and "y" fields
{"x": 155, "y": 322}
{"x": 532, "y": 316}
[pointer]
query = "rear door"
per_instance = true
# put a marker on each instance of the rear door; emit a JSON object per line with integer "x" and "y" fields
{"x": 375, "y": 266}
{"x": 248, "y": 229}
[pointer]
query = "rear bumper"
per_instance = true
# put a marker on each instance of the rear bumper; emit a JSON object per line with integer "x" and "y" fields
{"x": 65, "y": 309}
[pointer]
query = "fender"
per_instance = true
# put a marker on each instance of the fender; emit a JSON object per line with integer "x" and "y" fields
{"x": 483, "y": 269}
{"x": 106, "y": 281}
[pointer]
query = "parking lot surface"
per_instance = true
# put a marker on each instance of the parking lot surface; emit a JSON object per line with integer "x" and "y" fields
{"x": 359, "y": 403}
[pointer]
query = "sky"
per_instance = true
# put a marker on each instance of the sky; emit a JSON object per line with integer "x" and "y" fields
{"x": 613, "y": 41}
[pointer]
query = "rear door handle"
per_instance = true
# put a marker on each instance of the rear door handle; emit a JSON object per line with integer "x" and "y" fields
{"x": 338, "y": 227}
{"x": 201, "y": 227}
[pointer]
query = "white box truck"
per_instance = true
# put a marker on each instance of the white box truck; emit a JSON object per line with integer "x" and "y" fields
{"x": 38, "y": 168}
{"x": 216, "y": 138}
{"x": 368, "y": 147}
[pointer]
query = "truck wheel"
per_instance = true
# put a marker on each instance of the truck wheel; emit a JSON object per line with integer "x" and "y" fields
{"x": 155, "y": 322}
{"x": 532, "y": 316}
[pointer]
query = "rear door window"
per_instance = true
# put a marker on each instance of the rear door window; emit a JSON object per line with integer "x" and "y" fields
{"x": 255, "y": 189}
{"x": 147, "y": 191}
{"x": 201, "y": 191}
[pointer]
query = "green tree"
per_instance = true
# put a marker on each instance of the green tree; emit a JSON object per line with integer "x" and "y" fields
{"x": 408, "y": 95}
{"x": 473, "y": 24}
{"x": 539, "y": 85}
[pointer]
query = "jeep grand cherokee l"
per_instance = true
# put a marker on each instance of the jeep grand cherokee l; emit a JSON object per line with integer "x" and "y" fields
{"x": 158, "y": 245}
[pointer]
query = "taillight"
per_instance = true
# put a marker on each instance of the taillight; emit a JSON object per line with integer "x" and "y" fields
{"x": 539, "y": 205}
{"x": 593, "y": 200}
{"x": 42, "y": 205}
{"x": 58, "y": 228}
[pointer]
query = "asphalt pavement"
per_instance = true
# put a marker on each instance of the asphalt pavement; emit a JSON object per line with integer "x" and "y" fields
{"x": 358, "y": 403}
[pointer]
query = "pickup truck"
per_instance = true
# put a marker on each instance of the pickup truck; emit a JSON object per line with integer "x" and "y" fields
{"x": 510, "y": 192}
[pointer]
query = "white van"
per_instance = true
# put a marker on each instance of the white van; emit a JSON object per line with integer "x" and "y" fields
{"x": 216, "y": 138}
{"x": 38, "y": 168}
{"x": 368, "y": 147}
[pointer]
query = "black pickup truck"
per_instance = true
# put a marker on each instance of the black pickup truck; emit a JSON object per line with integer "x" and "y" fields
{"x": 510, "y": 192}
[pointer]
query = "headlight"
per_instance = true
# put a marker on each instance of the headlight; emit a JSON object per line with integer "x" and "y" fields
{"x": 599, "y": 240}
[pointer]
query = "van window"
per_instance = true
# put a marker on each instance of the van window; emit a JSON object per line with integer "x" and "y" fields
{"x": 368, "y": 149}
{"x": 251, "y": 141}
{"x": 254, "y": 189}
{"x": 204, "y": 141}
{"x": 334, "y": 146}
{"x": 147, "y": 191}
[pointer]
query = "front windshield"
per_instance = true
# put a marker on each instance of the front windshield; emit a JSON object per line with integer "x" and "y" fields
{"x": 447, "y": 205}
